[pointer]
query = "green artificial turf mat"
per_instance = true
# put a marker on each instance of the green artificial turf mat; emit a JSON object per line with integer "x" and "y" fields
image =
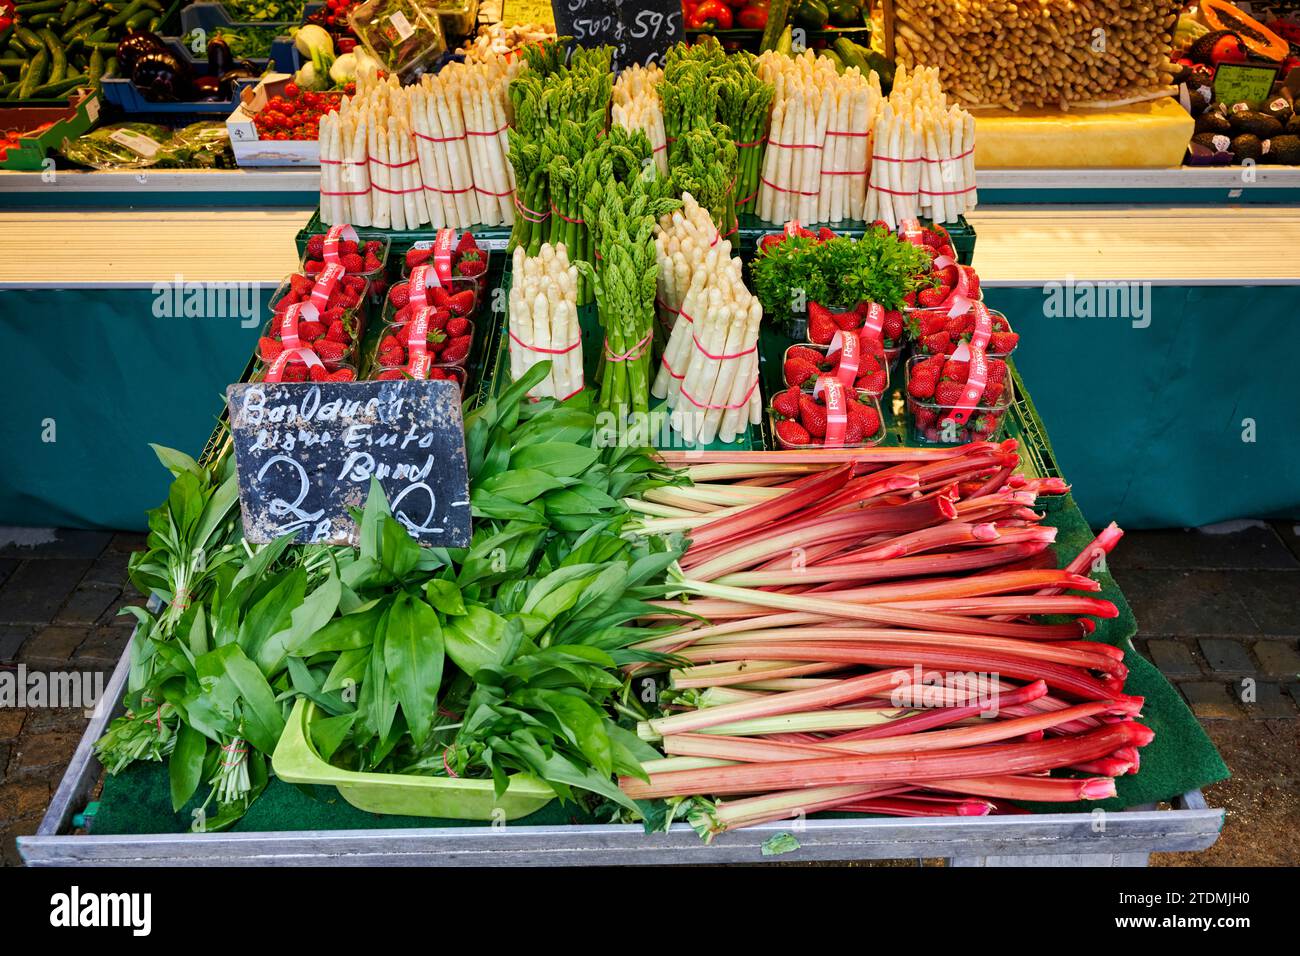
{"x": 1179, "y": 759}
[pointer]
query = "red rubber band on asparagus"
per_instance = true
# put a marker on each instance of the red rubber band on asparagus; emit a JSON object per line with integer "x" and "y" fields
{"x": 954, "y": 192}
{"x": 723, "y": 358}
{"x": 740, "y": 404}
{"x": 491, "y": 132}
{"x": 576, "y": 222}
{"x": 835, "y": 132}
{"x": 438, "y": 139}
{"x": 399, "y": 192}
{"x": 380, "y": 162}
{"x": 358, "y": 192}
{"x": 488, "y": 192}
{"x": 758, "y": 142}
{"x": 632, "y": 354}
{"x": 532, "y": 215}
{"x": 534, "y": 348}
{"x": 773, "y": 142}
{"x": 436, "y": 189}
{"x": 797, "y": 192}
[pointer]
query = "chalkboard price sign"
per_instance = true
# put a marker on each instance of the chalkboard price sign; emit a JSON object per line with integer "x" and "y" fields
{"x": 639, "y": 32}
{"x": 305, "y": 454}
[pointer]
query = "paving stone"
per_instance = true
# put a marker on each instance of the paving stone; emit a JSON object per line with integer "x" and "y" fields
{"x": 11, "y": 722}
{"x": 27, "y": 826}
{"x": 1186, "y": 603}
{"x": 1227, "y": 656}
{"x": 38, "y": 589}
{"x": 128, "y": 541}
{"x": 5, "y": 747}
{"x": 11, "y": 639}
{"x": 43, "y": 754}
{"x": 1289, "y": 533}
{"x": 54, "y": 720}
{"x": 54, "y": 644}
{"x": 52, "y": 542}
{"x": 1278, "y": 658}
{"x": 7, "y": 567}
{"x": 1256, "y": 545}
{"x": 103, "y": 647}
{"x": 22, "y": 799}
{"x": 1271, "y": 597}
{"x": 109, "y": 568}
{"x": 1173, "y": 658}
{"x": 1270, "y": 703}
{"x": 1209, "y": 701}
{"x": 88, "y": 604}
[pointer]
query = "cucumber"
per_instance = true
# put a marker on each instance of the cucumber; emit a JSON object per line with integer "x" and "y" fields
{"x": 80, "y": 27}
{"x": 36, "y": 72}
{"x": 96, "y": 68}
{"x": 38, "y": 6}
{"x": 66, "y": 85}
{"x": 141, "y": 19}
{"x": 29, "y": 39}
{"x": 110, "y": 66}
{"x": 12, "y": 63}
{"x": 58, "y": 56}
{"x": 132, "y": 9}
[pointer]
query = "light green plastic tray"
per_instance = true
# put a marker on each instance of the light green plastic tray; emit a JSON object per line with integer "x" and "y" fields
{"x": 296, "y": 761}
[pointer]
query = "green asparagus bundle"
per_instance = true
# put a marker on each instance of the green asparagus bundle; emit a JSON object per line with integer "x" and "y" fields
{"x": 570, "y": 176}
{"x": 621, "y": 208}
{"x": 745, "y": 107}
{"x": 706, "y": 167}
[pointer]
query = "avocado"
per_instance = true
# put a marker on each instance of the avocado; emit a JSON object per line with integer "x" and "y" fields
{"x": 1218, "y": 142}
{"x": 1280, "y": 109}
{"x": 1284, "y": 150}
{"x": 1213, "y": 121}
{"x": 1293, "y": 125}
{"x": 1257, "y": 124}
{"x": 1247, "y": 146}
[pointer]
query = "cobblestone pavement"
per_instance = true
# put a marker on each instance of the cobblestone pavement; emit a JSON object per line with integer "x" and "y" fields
{"x": 1218, "y": 612}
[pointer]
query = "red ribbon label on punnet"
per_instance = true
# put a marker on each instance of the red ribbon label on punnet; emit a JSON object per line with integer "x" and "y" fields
{"x": 443, "y": 245}
{"x": 418, "y": 367}
{"x": 909, "y": 230}
{"x": 423, "y": 278}
{"x": 326, "y": 282}
{"x": 306, "y": 356}
{"x": 831, "y": 390}
{"x": 849, "y": 348}
{"x": 873, "y": 320}
{"x": 296, "y": 313}
{"x": 336, "y": 235}
{"x": 960, "y": 302}
{"x": 417, "y": 339}
{"x": 978, "y": 373}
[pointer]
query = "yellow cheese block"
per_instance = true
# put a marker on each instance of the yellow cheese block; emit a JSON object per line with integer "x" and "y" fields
{"x": 1151, "y": 134}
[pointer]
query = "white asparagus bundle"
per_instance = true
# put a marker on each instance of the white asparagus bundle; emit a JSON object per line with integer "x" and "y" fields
{"x": 543, "y": 320}
{"x": 715, "y": 353}
{"x": 682, "y": 240}
{"x": 636, "y": 106}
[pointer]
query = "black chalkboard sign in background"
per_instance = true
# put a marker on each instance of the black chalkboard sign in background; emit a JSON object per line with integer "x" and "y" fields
{"x": 305, "y": 453}
{"x": 639, "y": 32}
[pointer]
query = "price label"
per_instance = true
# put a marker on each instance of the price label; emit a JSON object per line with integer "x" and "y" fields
{"x": 639, "y": 33}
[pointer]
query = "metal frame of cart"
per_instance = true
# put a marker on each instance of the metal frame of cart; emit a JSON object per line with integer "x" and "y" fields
{"x": 1050, "y": 839}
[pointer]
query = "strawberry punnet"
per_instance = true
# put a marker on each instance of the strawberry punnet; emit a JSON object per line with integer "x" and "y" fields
{"x": 935, "y": 387}
{"x": 797, "y": 413}
{"x": 364, "y": 258}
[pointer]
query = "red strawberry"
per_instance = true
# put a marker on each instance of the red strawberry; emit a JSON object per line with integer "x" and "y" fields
{"x": 439, "y": 297}
{"x": 390, "y": 375}
{"x": 337, "y": 333}
{"x": 854, "y": 431}
{"x": 343, "y": 375}
{"x": 466, "y": 243}
{"x": 354, "y": 283}
{"x": 316, "y": 247}
{"x": 948, "y": 276}
{"x": 880, "y": 224}
{"x": 910, "y": 299}
{"x": 936, "y": 343}
{"x": 347, "y": 299}
{"x": 786, "y": 404}
{"x": 456, "y": 351}
{"x": 957, "y": 371}
{"x": 352, "y": 263}
{"x": 1003, "y": 343}
{"x": 930, "y": 298}
{"x": 948, "y": 394}
{"x": 268, "y": 349}
{"x": 389, "y": 342}
{"x": 400, "y": 295}
{"x": 973, "y": 282}
{"x": 799, "y": 373}
{"x": 471, "y": 268}
{"x": 811, "y": 356}
{"x": 893, "y": 326}
{"x": 997, "y": 371}
{"x": 372, "y": 264}
{"x": 440, "y": 319}
{"x": 867, "y": 415}
{"x": 417, "y": 257}
{"x": 313, "y": 266}
{"x": 821, "y": 326}
{"x": 932, "y": 365}
{"x": 925, "y": 417}
{"x": 770, "y": 240}
{"x": 812, "y": 416}
{"x": 373, "y": 247}
{"x": 310, "y": 331}
{"x": 992, "y": 393}
{"x": 825, "y": 234}
{"x": 960, "y": 325}
{"x": 847, "y": 321}
{"x": 300, "y": 285}
{"x": 921, "y": 384}
{"x": 1000, "y": 324}
{"x": 874, "y": 382}
{"x": 462, "y": 303}
{"x": 347, "y": 247}
{"x": 932, "y": 322}
{"x": 318, "y": 373}
{"x": 455, "y": 327}
{"x": 331, "y": 353}
{"x": 295, "y": 372}
{"x": 792, "y": 433}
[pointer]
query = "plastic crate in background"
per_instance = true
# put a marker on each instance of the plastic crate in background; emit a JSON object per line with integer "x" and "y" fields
{"x": 211, "y": 17}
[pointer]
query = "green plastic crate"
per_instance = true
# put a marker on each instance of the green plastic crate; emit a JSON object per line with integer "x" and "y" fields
{"x": 453, "y": 798}
{"x": 71, "y": 117}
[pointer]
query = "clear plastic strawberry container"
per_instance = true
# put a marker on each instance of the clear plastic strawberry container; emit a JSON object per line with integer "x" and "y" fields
{"x": 827, "y": 367}
{"x": 480, "y": 280}
{"x": 384, "y": 373}
{"x": 383, "y": 247}
{"x": 927, "y": 422}
{"x": 775, "y": 419}
{"x": 283, "y": 292}
{"x": 436, "y": 349}
{"x": 315, "y": 332}
{"x": 460, "y": 297}
{"x": 1000, "y": 326}
{"x": 302, "y": 371}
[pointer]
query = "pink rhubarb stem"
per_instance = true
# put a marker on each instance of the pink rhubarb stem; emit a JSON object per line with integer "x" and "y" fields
{"x": 930, "y": 719}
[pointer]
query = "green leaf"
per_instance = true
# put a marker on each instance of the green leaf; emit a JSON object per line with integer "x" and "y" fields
{"x": 521, "y": 485}
{"x": 273, "y": 613}
{"x": 368, "y": 529}
{"x": 581, "y": 500}
{"x": 185, "y": 765}
{"x": 400, "y": 552}
{"x": 344, "y": 633}
{"x": 445, "y": 596}
{"x": 496, "y": 507}
{"x": 328, "y": 733}
{"x": 779, "y": 843}
{"x": 263, "y": 722}
{"x": 176, "y": 462}
{"x": 560, "y": 459}
{"x": 413, "y": 656}
{"x": 308, "y": 618}
{"x": 480, "y": 639}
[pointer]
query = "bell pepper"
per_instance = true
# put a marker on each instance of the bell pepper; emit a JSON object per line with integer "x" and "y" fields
{"x": 753, "y": 16}
{"x": 710, "y": 15}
